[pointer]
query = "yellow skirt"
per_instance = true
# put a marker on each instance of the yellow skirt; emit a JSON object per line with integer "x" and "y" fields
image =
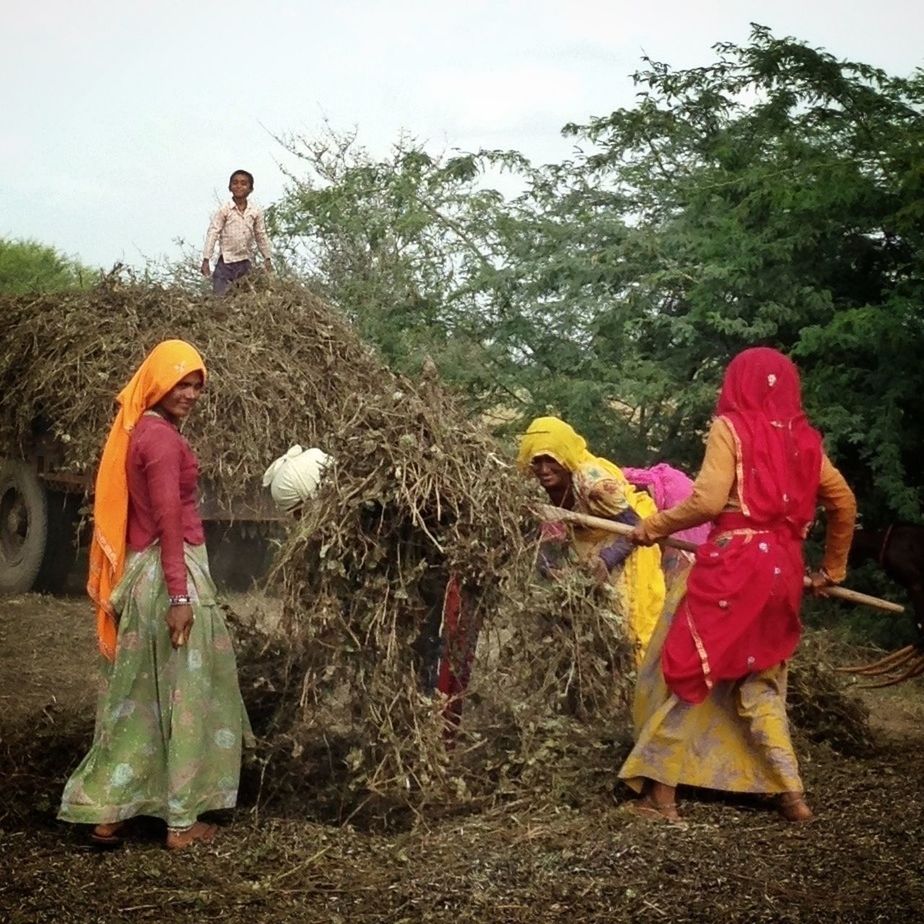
{"x": 637, "y": 585}
{"x": 736, "y": 740}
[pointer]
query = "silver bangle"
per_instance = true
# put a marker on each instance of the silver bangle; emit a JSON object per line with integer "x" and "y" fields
{"x": 180, "y": 600}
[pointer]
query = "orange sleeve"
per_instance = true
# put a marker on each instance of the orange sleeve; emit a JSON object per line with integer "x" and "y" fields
{"x": 840, "y": 505}
{"x": 711, "y": 490}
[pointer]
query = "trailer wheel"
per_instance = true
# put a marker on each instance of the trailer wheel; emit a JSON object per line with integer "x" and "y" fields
{"x": 23, "y": 526}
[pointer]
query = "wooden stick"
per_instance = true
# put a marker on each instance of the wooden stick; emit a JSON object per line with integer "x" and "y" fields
{"x": 548, "y": 512}
{"x": 854, "y": 596}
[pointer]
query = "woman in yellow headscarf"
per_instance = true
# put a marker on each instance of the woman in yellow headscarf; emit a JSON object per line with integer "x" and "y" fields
{"x": 575, "y": 479}
{"x": 170, "y": 722}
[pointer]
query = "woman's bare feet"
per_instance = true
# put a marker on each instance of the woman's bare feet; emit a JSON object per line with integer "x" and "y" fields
{"x": 655, "y": 811}
{"x": 793, "y": 807}
{"x": 108, "y": 834}
{"x": 197, "y": 833}
{"x": 659, "y": 803}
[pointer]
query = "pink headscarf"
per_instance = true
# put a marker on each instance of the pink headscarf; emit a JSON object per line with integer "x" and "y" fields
{"x": 669, "y": 487}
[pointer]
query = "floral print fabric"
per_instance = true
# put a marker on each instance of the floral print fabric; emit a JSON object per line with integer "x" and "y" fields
{"x": 638, "y": 584}
{"x": 736, "y": 740}
{"x": 170, "y": 724}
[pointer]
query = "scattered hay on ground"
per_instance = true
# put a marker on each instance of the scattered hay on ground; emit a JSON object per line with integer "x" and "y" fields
{"x": 523, "y": 860}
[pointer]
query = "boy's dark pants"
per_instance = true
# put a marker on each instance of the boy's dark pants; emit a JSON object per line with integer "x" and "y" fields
{"x": 227, "y": 273}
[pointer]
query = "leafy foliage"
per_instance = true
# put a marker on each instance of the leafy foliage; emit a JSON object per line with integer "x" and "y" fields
{"x": 771, "y": 197}
{"x": 780, "y": 190}
{"x": 27, "y": 266}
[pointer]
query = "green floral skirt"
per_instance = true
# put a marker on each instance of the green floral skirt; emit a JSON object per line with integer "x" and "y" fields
{"x": 170, "y": 724}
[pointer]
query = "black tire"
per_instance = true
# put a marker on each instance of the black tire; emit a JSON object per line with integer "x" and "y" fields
{"x": 23, "y": 526}
{"x": 60, "y": 543}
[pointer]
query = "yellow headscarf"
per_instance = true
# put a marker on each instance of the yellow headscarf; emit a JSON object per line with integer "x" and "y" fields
{"x": 641, "y": 578}
{"x": 550, "y": 436}
{"x": 168, "y": 363}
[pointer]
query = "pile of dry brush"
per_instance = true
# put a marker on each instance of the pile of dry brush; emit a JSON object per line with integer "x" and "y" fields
{"x": 418, "y": 493}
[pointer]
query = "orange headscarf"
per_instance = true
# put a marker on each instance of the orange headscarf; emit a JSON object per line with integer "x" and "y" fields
{"x": 168, "y": 363}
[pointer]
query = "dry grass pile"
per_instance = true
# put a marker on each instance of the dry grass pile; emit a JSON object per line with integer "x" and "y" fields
{"x": 819, "y": 704}
{"x": 418, "y": 494}
{"x": 282, "y": 366}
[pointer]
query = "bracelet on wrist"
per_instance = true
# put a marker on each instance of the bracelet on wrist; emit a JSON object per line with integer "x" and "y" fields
{"x": 180, "y": 600}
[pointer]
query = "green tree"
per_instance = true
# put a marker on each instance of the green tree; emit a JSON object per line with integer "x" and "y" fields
{"x": 777, "y": 196}
{"x": 402, "y": 245}
{"x": 28, "y": 266}
{"x": 429, "y": 260}
{"x": 771, "y": 197}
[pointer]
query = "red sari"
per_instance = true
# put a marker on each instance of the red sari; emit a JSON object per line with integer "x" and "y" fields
{"x": 740, "y": 614}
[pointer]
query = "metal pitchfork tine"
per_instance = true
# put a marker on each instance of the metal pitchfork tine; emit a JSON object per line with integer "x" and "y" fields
{"x": 909, "y": 659}
{"x": 884, "y": 665}
{"x": 915, "y": 670}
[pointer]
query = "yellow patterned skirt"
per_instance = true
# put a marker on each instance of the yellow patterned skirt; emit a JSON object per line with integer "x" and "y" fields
{"x": 736, "y": 740}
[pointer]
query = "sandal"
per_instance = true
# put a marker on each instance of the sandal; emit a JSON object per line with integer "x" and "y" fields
{"x": 793, "y": 808}
{"x": 108, "y": 834}
{"x": 651, "y": 811}
{"x": 199, "y": 832}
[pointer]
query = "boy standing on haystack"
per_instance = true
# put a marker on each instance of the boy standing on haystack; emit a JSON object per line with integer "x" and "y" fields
{"x": 235, "y": 227}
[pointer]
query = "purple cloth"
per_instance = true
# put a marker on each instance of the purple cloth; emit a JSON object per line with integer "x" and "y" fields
{"x": 227, "y": 273}
{"x": 618, "y": 550}
{"x": 668, "y": 487}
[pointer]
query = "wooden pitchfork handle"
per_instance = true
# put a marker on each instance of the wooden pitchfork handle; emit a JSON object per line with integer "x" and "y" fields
{"x": 548, "y": 512}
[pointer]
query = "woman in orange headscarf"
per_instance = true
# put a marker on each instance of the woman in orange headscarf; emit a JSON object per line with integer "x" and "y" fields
{"x": 170, "y": 723}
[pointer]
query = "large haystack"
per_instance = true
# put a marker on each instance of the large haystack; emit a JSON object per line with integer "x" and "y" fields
{"x": 282, "y": 366}
{"x": 418, "y": 494}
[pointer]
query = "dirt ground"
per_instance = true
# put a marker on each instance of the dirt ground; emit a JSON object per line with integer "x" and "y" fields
{"x": 862, "y": 860}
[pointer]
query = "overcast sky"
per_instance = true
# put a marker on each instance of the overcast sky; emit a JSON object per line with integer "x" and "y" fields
{"x": 122, "y": 120}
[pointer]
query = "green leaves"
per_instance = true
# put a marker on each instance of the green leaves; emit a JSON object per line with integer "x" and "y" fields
{"x": 27, "y": 266}
{"x": 771, "y": 197}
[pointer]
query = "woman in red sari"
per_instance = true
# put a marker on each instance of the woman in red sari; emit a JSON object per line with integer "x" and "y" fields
{"x": 710, "y": 706}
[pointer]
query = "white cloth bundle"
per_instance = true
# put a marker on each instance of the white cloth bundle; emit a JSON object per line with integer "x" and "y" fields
{"x": 295, "y": 476}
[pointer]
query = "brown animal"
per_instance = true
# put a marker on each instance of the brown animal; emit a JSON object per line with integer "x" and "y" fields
{"x": 899, "y": 551}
